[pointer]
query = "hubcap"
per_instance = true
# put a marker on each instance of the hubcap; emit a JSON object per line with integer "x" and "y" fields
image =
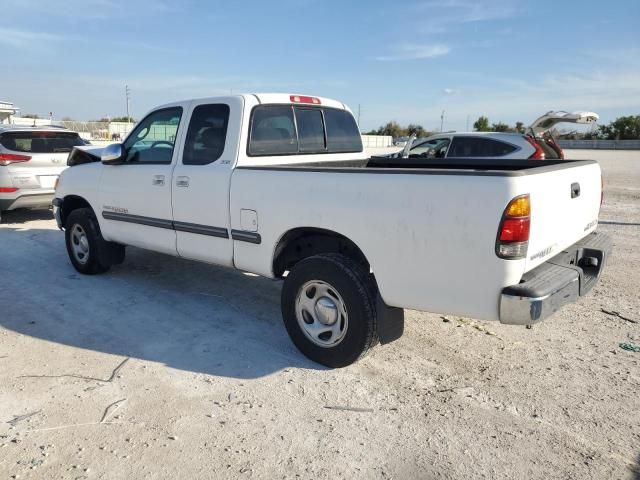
{"x": 79, "y": 244}
{"x": 321, "y": 313}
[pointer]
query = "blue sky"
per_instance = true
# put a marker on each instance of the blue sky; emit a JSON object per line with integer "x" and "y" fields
{"x": 404, "y": 60}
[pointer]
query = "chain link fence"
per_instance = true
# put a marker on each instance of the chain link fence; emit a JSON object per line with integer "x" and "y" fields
{"x": 109, "y": 131}
{"x": 601, "y": 144}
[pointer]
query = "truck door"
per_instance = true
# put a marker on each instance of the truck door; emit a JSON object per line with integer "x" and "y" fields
{"x": 201, "y": 181}
{"x": 135, "y": 195}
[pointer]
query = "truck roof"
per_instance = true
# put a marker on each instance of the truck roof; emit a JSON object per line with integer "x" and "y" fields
{"x": 276, "y": 98}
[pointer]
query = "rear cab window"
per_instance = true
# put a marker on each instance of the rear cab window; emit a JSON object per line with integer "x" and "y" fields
{"x": 291, "y": 130}
{"x": 40, "y": 142}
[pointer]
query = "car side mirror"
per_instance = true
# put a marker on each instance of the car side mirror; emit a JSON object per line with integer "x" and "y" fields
{"x": 112, "y": 154}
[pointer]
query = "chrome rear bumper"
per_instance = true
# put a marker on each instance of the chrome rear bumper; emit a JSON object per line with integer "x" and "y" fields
{"x": 559, "y": 281}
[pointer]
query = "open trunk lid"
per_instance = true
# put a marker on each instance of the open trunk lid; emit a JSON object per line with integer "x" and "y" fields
{"x": 565, "y": 204}
{"x": 550, "y": 119}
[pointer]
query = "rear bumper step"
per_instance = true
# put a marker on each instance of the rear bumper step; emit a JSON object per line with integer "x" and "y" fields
{"x": 559, "y": 281}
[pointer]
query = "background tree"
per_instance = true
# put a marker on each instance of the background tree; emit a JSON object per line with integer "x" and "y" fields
{"x": 519, "y": 127}
{"x": 31, "y": 115}
{"x": 418, "y": 130}
{"x": 123, "y": 119}
{"x": 481, "y": 125}
{"x": 622, "y": 128}
{"x": 500, "y": 127}
{"x": 392, "y": 128}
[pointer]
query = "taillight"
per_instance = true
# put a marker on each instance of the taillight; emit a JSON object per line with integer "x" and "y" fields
{"x": 304, "y": 99}
{"x": 9, "y": 158}
{"x": 539, "y": 153}
{"x": 8, "y": 189}
{"x": 513, "y": 234}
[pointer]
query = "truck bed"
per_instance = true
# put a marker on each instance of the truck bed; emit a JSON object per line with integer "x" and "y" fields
{"x": 426, "y": 166}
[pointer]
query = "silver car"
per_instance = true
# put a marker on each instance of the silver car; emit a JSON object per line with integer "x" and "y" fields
{"x": 536, "y": 143}
{"x": 31, "y": 159}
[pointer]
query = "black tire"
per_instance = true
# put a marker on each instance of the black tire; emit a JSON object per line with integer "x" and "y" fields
{"x": 355, "y": 288}
{"x": 97, "y": 258}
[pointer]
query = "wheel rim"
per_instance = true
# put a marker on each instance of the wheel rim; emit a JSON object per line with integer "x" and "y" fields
{"x": 79, "y": 244}
{"x": 321, "y": 313}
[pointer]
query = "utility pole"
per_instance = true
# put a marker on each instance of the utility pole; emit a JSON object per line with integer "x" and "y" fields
{"x": 127, "y": 94}
{"x": 441, "y": 120}
{"x": 358, "y": 115}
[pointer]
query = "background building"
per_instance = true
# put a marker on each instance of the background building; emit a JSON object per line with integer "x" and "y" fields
{"x": 7, "y": 111}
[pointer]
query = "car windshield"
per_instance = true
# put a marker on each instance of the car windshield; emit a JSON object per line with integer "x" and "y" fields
{"x": 40, "y": 142}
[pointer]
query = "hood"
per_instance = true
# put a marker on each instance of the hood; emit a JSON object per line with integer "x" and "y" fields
{"x": 84, "y": 154}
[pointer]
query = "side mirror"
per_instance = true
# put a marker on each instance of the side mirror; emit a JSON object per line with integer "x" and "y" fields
{"x": 112, "y": 154}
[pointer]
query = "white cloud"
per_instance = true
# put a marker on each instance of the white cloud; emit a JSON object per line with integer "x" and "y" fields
{"x": 611, "y": 94}
{"x": 25, "y": 38}
{"x": 416, "y": 52}
{"x": 442, "y": 15}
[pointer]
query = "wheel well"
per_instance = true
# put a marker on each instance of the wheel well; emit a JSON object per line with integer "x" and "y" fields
{"x": 301, "y": 243}
{"x": 71, "y": 203}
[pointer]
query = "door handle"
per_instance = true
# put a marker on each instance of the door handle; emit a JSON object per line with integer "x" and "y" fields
{"x": 182, "y": 181}
{"x": 157, "y": 180}
{"x": 575, "y": 190}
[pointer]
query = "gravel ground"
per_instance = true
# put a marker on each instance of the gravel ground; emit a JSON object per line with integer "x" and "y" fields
{"x": 164, "y": 368}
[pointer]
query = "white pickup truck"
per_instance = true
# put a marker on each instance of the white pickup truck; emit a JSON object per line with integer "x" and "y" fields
{"x": 278, "y": 185}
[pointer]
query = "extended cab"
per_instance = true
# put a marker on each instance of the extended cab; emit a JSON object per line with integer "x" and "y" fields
{"x": 278, "y": 185}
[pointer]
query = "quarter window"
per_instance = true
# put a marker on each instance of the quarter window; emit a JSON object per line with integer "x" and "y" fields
{"x": 206, "y": 135}
{"x": 153, "y": 139}
{"x": 479, "y": 147}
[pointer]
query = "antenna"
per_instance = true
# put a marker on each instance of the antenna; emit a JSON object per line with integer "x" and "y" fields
{"x": 441, "y": 120}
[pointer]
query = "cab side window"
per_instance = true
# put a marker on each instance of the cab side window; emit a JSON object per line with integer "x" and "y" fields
{"x": 436, "y": 148}
{"x": 153, "y": 139}
{"x": 206, "y": 135}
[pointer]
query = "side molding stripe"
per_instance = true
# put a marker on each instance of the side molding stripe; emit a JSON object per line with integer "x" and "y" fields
{"x": 201, "y": 229}
{"x": 220, "y": 232}
{"x": 242, "y": 236}
{"x": 125, "y": 217}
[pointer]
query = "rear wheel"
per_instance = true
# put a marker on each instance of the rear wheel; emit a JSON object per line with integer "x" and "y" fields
{"x": 328, "y": 308}
{"x": 89, "y": 253}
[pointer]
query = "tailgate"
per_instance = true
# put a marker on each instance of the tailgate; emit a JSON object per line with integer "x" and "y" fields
{"x": 565, "y": 203}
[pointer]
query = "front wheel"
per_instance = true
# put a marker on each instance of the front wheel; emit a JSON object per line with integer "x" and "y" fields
{"x": 328, "y": 308}
{"x": 85, "y": 245}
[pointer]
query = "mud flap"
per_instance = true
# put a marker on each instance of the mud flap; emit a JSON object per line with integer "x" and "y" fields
{"x": 390, "y": 321}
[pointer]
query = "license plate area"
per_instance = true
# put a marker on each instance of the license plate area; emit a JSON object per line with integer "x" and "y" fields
{"x": 47, "y": 181}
